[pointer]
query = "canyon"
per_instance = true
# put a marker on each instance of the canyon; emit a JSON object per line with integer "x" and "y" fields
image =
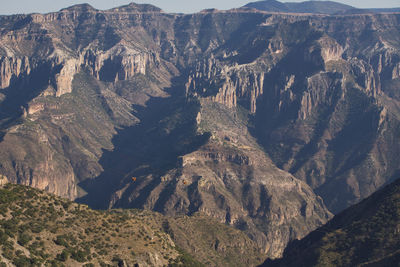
{"x": 265, "y": 121}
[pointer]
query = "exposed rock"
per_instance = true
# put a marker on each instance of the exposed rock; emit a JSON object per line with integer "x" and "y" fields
{"x": 12, "y": 68}
{"x": 64, "y": 79}
{"x": 3, "y": 180}
{"x": 331, "y": 50}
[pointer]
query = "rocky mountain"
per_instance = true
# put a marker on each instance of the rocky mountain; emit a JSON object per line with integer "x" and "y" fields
{"x": 366, "y": 234}
{"x": 240, "y": 115}
{"x": 39, "y": 229}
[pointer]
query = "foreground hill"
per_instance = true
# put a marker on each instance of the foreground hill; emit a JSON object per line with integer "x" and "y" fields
{"x": 366, "y": 234}
{"x": 39, "y": 229}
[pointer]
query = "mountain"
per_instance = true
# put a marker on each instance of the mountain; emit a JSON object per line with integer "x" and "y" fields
{"x": 314, "y": 7}
{"x": 317, "y": 7}
{"x": 256, "y": 120}
{"x": 98, "y": 106}
{"x": 40, "y": 229}
{"x": 366, "y": 234}
{"x": 269, "y": 5}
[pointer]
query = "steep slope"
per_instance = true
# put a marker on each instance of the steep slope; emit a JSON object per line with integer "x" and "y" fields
{"x": 366, "y": 234}
{"x": 39, "y": 228}
{"x": 231, "y": 179}
{"x": 328, "y": 122}
{"x": 117, "y": 118}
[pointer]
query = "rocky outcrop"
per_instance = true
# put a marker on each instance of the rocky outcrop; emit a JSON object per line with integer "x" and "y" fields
{"x": 119, "y": 63}
{"x": 226, "y": 84}
{"x": 3, "y": 180}
{"x": 330, "y": 49}
{"x": 13, "y": 68}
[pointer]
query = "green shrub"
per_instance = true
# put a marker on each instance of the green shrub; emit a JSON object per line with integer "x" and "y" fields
{"x": 60, "y": 240}
{"x": 79, "y": 255}
{"x": 22, "y": 261}
{"x": 23, "y": 239}
{"x": 63, "y": 256}
{"x": 3, "y": 237}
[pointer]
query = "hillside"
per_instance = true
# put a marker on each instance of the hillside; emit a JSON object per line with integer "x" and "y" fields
{"x": 41, "y": 229}
{"x": 366, "y": 234}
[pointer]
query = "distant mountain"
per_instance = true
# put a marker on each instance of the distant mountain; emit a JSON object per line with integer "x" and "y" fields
{"x": 318, "y": 7}
{"x": 366, "y": 234}
{"x": 269, "y": 5}
{"x": 315, "y": 7}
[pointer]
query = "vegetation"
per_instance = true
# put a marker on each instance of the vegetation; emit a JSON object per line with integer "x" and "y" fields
{"x": 39, "y": 229}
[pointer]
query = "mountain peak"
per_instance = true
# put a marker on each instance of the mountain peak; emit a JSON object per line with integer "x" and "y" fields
{"x": 80, "y": 7}
{"x": 268, "y": 5}
{"x": 134, "y": 7}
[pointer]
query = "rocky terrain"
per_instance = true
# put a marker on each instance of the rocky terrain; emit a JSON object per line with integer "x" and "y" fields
{"x": 39, "y": 229}
{"x": 366, "y": 234}
{"x": 240, "y": 115}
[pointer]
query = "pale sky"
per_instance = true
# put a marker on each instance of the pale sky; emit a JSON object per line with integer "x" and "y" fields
{"x": 177, "y": 6}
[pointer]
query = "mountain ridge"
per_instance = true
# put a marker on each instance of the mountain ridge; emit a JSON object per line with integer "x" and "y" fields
{"x": 314, "y": 7}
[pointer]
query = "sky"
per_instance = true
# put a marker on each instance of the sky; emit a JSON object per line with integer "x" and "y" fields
{"x": 176, "y": 6}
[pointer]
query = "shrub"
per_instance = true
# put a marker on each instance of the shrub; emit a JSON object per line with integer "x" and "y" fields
{"x": 3, "y": 237}
{"x": 23, "y": 239}
{"x": 22, "y": 261}
{"x": 79, "y": 255}
{"x": 63, "y": 256}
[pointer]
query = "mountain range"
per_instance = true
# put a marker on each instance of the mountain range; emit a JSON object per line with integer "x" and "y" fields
{"x": 314, "y": 7}
{"x": 267, "y": 122}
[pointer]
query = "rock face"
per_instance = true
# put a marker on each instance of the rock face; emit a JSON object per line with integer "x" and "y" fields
{"x": 237, "y": 114}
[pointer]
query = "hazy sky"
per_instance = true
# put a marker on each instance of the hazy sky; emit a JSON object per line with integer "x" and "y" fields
{"x": 184, "y": 6}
